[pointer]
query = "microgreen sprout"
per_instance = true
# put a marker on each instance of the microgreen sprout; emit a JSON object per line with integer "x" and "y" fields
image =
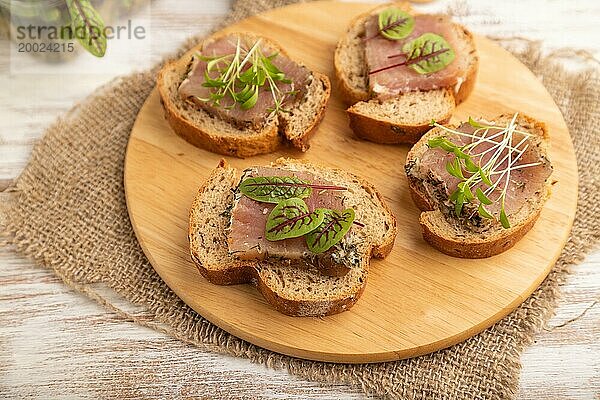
{"x": 495, "y": 173}
{"x": 242, "y": 75}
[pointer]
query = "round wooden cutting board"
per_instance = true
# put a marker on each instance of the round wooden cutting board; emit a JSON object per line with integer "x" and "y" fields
{"x": 417, "y": 300}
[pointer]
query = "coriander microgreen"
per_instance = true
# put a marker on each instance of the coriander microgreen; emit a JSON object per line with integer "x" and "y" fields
{"x": 459, "y": 153}
{"x": 453, "y": 196}
{"x": 475, "y": 124}
{"x": 485, "y": 177}
{"x": 435, "y": 142}
{"x": 470, "y": 165}
{"x": 249, "y": 98}
{"x": 441, "y": 142}
{"x": 503, "y": 218}
{"x": 241, "y": 76}
{"x": 503, "y": 160}
{"x": 481, "y": 210}
{"x": 212, "y": 62}
{"x": 466, "y": 190}
{"x": 454, "y": 168}
{"x": 482, "y": 197}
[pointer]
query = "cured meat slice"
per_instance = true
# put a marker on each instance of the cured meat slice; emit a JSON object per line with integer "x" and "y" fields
{"x": 391, "y": 82}
{"x": 246, "y": 237}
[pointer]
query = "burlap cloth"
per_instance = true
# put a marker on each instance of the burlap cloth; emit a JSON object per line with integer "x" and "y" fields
{"x": 68, "y": 212}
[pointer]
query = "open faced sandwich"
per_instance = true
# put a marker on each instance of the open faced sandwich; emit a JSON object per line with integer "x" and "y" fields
{"x": 241, "y": 95}
{"x": 481, "y": 185}
{"x": 302, "y": 234}
{"x": 400, "y": 70}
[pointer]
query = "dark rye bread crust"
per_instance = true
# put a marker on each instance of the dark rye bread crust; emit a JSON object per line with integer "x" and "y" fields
{"x": 236, "y": 142}
{"x": 378, "y": 130}
{"x": 432, "y": 220}
{"x": 235, "y": 271}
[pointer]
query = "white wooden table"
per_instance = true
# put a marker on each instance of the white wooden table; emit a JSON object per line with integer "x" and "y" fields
{"x": 57, "y": 344}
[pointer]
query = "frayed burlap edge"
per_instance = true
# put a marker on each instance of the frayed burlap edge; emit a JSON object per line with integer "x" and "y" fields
{"x": 48, "y": 220}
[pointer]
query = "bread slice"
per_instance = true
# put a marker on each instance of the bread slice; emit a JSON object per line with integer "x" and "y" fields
{"x": 447, "y": 233}
{"x": 379, "y": 121}
{"x": 209, "y": 132}
{"x": 292, "y": 291}
{"x": 402, "y": 119}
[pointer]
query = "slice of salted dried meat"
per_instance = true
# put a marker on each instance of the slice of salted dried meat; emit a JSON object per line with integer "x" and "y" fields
{"x": 391, "y": 82}
{"x": 249, "y": 217}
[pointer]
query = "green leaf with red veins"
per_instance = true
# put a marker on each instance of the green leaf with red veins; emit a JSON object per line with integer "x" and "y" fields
{"x": 395, "y": 24}
{"x": 331, "y": 231}
{"x": 273, "y": 189}
{"x": 291, "y": 218}
{"x": 89, "y": 26}
{"x": 428, "y": 53}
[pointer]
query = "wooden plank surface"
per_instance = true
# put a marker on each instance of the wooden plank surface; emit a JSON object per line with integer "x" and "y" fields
{"x": 54, "y": 342}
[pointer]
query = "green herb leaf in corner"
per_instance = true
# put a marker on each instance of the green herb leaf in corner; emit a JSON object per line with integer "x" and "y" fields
{"x": 88, "y": 26}
{"x": 331, "y": 231}
{"x": 291, "y": 218}
{"x": 395, "y": 24}
{"x": 273, "y": 189}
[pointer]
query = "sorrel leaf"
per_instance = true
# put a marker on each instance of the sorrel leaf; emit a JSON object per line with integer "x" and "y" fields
{"x": 291, "y": 218}
{"x": 428, "y": 53}
{"x": 395, "y": 24}
{"x": 334, "y": 227}
{"x": 273, "y": 189}
{"x": 88, "y": 26}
